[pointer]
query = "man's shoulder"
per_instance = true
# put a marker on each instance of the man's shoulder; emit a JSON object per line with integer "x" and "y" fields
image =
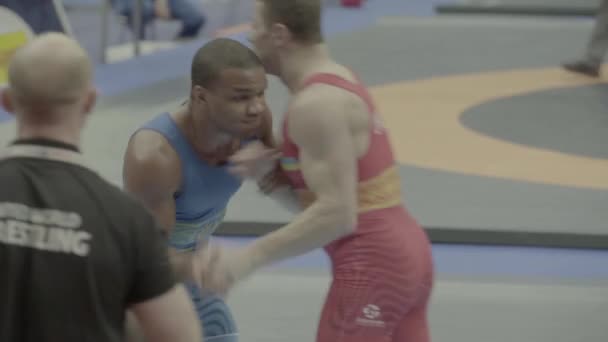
{"x": 320, "y": 98}
{"x": 154, "y": 134}
{"x": 151, "y": 164}
{"x": 151, "y": 150}
{"x": 319, "y": 104}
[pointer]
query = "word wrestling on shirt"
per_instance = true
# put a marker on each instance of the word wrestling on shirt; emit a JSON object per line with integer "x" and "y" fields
{"x": 43, "y": 229}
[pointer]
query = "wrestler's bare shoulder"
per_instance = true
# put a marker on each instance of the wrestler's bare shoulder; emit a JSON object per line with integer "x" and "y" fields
{"x": 150, "y": 156}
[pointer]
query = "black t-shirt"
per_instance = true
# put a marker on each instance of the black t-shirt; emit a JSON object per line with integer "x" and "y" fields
{"x": 75, "y": 252}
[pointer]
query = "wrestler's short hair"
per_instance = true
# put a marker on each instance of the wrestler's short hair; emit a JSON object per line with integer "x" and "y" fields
{"x": 301, "y": 17}
{"x": 220, "y": 54}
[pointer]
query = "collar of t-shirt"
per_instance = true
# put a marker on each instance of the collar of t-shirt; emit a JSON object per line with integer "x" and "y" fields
{"x": 43, "y": 148}
{"x": 47, "y": 143}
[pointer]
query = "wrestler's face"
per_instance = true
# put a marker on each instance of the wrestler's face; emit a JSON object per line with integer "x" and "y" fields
{"x": 235, "y": 102}
{"x": 262, "y": 40}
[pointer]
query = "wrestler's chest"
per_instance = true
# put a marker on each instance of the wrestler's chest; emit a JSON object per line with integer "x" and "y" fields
{"x": 209, "y": 184}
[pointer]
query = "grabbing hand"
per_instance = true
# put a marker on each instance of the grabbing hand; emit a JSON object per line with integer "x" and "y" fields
{"x": 273, "y": 180}
{"x": 217, "y": 269}
{"x": 254, "y": 160}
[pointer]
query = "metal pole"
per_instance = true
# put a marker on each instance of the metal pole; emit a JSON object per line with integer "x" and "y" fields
{"x": 231, "y": 13}
{"x": 137, "y": 25}
{"x": 63, "y": 18}
{"x": 105, "y": 10}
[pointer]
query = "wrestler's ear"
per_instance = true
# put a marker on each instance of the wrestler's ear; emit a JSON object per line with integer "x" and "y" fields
{"x": 280, "y": 35}
{"x": 198, "y": 94}
{"x": 90, "y": 100}
{"x": 7, "y": 101}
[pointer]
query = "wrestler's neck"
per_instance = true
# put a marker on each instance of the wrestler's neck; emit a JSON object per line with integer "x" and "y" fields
{"x": 300, "y": 62}
{"x": 66, "y": 131}
{"x": 202, "y": 134}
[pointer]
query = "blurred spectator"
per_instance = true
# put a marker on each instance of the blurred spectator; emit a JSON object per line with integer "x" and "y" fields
{"x": 597, "y": 46}
{"x": 191, "y": 16}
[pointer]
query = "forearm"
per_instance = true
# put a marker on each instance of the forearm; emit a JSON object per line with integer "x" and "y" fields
{"x": 277, "y": 187}
{"x": 133, "y": 331}
{"x": 181, "y": 263}
{"x": 317, "y": 226}
{"x": 168, "y": 317}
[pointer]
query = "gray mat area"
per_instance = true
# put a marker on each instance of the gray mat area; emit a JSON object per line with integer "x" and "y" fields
{"x": 568, "y": 120}
{"x": 403, "y": 48}
{"x": 459, "y": 208}
{"x": 284, "y": 306}
{"x": 522, "y": 7}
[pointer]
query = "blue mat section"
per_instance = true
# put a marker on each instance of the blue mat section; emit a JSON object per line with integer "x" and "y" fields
{"x": 489, "y": 261}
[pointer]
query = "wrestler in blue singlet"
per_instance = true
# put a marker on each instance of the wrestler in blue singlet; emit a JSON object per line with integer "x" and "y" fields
{"x": 200, "y": 205}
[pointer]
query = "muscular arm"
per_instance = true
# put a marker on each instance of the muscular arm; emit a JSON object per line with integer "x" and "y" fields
{"x": 168, "y": 317}
{"x": 152, "y": 174}
{"x": 328, "y": 160}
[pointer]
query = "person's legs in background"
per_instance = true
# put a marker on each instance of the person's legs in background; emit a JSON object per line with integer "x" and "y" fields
{"x": 190, "y": 15}
{"x": 125, "y": 9}
{"x": 596, "y": 48}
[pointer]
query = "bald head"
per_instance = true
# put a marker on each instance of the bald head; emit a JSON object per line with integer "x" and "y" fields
{"x": 51, "y": 73}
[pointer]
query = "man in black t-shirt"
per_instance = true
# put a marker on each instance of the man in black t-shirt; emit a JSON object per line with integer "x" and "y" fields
{"x": 75, "y": 251}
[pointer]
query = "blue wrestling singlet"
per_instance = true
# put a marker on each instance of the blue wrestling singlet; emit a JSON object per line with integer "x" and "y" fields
{"x": 200, "y": 205}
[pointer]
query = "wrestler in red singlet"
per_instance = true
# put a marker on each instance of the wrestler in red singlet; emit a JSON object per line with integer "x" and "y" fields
{"x": 383, "y": 272}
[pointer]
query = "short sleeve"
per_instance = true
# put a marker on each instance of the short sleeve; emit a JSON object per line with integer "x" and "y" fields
{"x": 153, "y": 273}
